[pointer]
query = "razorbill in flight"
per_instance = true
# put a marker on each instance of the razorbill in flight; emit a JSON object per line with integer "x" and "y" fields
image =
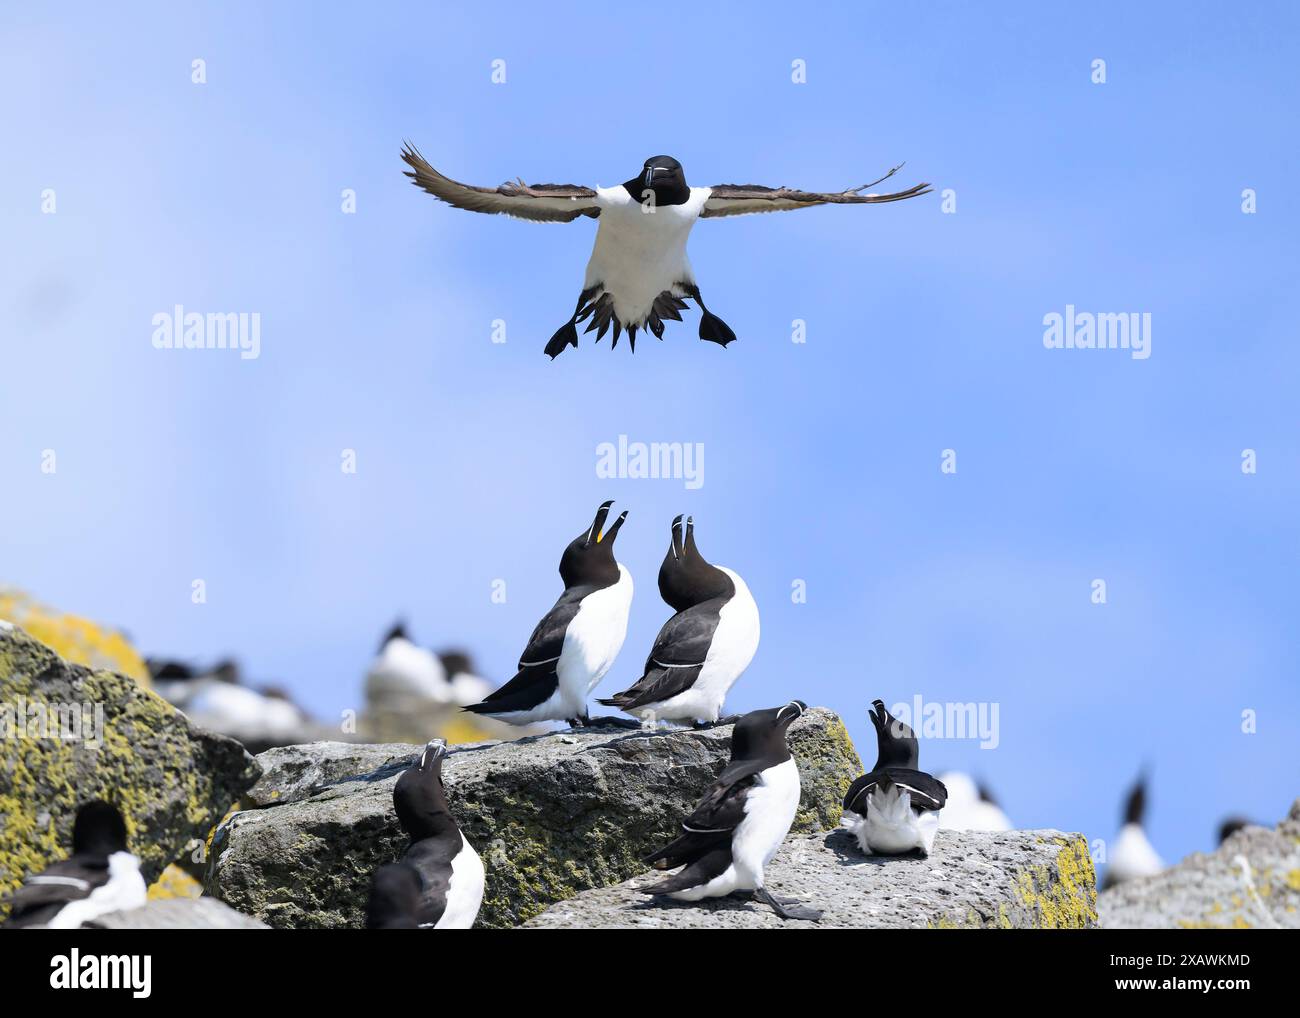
{"x": 450, "y": 871}
{"x": 577, "y": 640}
{"x": 1133, "y": 855}
{"x": 100, "y": 876}
{"x": 704, "y": 648}
{"x": 638, "y": 272}
{"x": 895, "y": 808}
{"x": 970, "y": 806}
{"x": 740, "y": 823}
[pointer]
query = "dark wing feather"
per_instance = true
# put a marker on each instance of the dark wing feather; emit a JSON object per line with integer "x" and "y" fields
{"x": 743, "y": 199}
{"x": 541, "y": 203}
{"x": 432, "y": 858}
{"x": 926, "y": 792}
{"x": 42, "y": 896}
{"x": 675, "y": 660}
{"x": 715, "y": 817}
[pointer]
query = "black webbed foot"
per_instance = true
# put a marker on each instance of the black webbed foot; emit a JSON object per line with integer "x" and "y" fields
{"x": 714, "y": 330}
{"x": 788, "y": 908}
{"x": 566, "y": 335}
{"x": 612, "y": 721}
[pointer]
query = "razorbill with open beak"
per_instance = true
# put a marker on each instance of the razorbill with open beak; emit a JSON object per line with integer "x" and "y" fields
{"x": 704, "y": 648}
{"x": 1133, "y": 854}
{"x": 100, "y": 876}
{"x": 578, "y": 639}
{"x": 740, "y": 823}
{"x": 638, "y": 272}
{"x": 894, "y": 808}
{"x": 450, "y": 871}
{"x": 970, "y": 806}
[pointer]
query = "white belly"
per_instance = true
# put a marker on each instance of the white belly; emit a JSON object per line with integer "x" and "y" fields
{"x": 734, "y": 644}
{"x": 1133, "y": 855}
{"x": 891, "y": 826}
{"x": 465, "y": 892}
{"x": 638, "y": 255}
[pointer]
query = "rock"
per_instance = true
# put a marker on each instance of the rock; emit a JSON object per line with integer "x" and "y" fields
{"x": 76, "y": 639}
{"x": 179, "y": 914}
{"x": 551, "y": 815}
{"x": 1216, "y": 890}
{"x": 172, "y": 781}
{"x": 1008, "y": 879}
{"x": 290, "y": 773}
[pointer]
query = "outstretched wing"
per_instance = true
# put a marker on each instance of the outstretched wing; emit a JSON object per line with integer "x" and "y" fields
{"x": 743, "y": 199}
{"x": 927, "y": 791}
{"x": 542, "y": 203}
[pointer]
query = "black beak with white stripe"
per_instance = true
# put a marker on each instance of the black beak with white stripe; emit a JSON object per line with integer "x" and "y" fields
{"x": 895, "y": 807}
{"x": 576, "y": 642}
{"x": 741, "y": 821}
{"x": 638, "y": 276}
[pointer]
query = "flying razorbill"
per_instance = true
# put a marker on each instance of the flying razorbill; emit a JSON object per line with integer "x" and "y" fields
{"x": 638, "y": 272}
{"x": 701, "y": 651}
{"x": 100, "y": 876}
{"x": 894, "y": 808}
{"x": 451, "y": 877}
{"x": 577, "y": 640}
{"x": 740, "y": 823}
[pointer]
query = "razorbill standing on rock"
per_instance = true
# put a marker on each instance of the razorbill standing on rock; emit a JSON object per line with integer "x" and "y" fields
{"x": 450, "y": 871}
{"x": 740, "y": 823}
{"x": 1133, "y": 855}
{"x": 100, "y": 876}
{"x": 638, "y": 272}
{"x": 578, "y": 639}
{"x": 704, "y": 648}
{"x": 970, "y": 806}
{"x": 404, "y": 669}
{"x": 894, "y": 808}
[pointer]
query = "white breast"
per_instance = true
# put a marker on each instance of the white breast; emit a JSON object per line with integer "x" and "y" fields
{"x": 594, "y": 638}
{"x": 769, "y": 811}
{"x": 1133, "y": 855}
{"x": 125, "y": 890}
{"x": 465, "y": 892}
{"x": 638, "y": 254}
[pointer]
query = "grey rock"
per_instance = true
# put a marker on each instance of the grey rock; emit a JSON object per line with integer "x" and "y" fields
{"x": 550, "y": 815}
{"x": 172, "y": 780}
{"x": 1215, "y": 889}
{"x": 1008, "y": 879}
{"x": 179, "y": 914}
{"x": 290, "y": 773}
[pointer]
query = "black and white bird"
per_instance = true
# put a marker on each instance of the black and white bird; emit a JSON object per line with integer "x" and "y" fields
{"x": 403, "y": 670}
{"x": 894, "y": 808}
{"x": 577, "y": 640}
{"x": 970, "y": 805}
{"x": 451, "y": 876}
{"x": 638, "y": 273}
{"x": 1133, "y": 855}
{"x": 100, "y": 876}
{"x": 734, "y": 831}
{"x": 702, "y": 650}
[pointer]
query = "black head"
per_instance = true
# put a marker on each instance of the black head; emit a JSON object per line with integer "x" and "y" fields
{"x": 589, "y": 558}
{"x": 456, "y": 662}
{"x": 1135, "y": 806}
{"x": 685, "y": 578}
{"x": 99, "y": 829}
{"x": 227, "y": 670}
{"x": 396, "y": 632}
{"x": 395, "y": 892}
{"x": 760, "y": 734}
{"x": 419, "y": 798}
{"x": 986, "y": 794}
{"x": 169, "y": 671}
{"x": 663, "y": 175}
{"x": 1231, "y": 826}
{"x": 896, "y": 744}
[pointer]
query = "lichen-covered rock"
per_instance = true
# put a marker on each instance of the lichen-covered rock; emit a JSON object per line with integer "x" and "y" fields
{"x": 290, "y": 773}
{"x": 172, "y": 781}
{"x": 550, "y": 815}
{"x": 1008, "y": 879}
{"x": 74, "y": 638}
{"x": 1251, "y": 880}
{"x": 179, "y": 914}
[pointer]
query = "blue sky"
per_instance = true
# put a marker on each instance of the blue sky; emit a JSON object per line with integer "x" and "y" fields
{"x": 476, "y": 461}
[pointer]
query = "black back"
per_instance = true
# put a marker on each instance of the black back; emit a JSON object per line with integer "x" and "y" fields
{"x": 898, "y": 761}
{"x": 394, "y": 902}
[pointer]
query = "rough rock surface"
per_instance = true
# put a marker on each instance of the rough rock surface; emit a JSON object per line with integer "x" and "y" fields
{"x": 1010, "y": 879}
{"x": 290, "y": 773}
{"x": 1216, "y": 890}
{"x": 172, "y": 781}
{"x": 179, "y": 914}
{"x": 550, "y": 815}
